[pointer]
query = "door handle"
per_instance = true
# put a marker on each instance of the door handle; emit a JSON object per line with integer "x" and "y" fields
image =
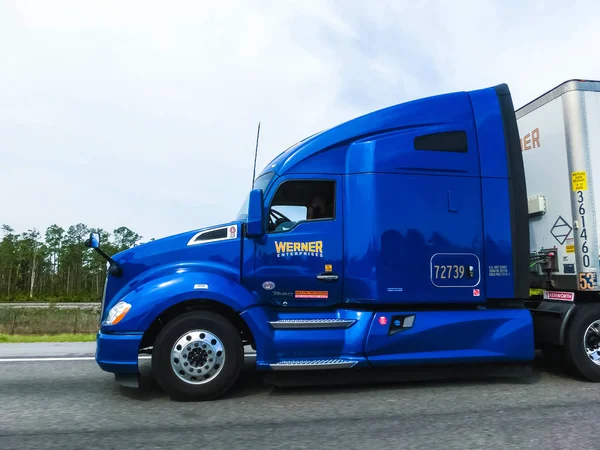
{"x": 327, "y": 276}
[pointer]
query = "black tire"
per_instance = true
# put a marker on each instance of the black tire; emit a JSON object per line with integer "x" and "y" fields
{"x": 215, "y": 386}
{"x": 575, "y": 355}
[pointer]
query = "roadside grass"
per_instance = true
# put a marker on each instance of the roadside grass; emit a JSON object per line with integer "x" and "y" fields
{"x": 64, "y": 337}
{"x": 16, "y": 299}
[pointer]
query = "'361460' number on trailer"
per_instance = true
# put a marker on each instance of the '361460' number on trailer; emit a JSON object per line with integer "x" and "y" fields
{"x": 583, "y": 235}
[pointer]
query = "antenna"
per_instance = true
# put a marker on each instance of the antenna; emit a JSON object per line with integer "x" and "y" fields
{"x": 255, "y": 155}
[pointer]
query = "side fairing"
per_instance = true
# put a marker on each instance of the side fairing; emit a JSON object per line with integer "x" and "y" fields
{"x": 413, "y": 214}
{"x": 505, "y": 218}
{"x": 435, "y": 210}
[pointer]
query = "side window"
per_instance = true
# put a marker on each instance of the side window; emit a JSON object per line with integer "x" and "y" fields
{"x": 447, "y": 141}
{"x": 301, "y": 201}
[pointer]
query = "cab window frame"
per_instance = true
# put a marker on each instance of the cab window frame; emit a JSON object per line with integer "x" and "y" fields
{"x": 276, "y": 187}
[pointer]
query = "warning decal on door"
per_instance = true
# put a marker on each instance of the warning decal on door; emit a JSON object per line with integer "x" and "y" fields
{"x": 312, "y": 294}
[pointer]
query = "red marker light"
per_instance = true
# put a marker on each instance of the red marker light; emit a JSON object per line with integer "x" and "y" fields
{"x": 383, "y": 320}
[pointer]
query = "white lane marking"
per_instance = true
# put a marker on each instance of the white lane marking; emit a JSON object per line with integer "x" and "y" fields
{"x": 77, "y": 358}
{"x": 74, "y": 358}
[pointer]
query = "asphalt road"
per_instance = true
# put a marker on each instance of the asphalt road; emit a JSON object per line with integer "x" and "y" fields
{"x": 36, "y": 350}
{"x": 73, "y": 405}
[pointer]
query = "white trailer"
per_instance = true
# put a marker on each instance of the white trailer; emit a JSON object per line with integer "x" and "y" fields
{"x": 560, "y": 143}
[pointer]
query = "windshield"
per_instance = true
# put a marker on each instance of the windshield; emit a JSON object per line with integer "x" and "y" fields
{"x": 260, "y": 183}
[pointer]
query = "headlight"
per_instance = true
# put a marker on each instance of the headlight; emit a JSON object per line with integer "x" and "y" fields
{"x": 116, "y": 313}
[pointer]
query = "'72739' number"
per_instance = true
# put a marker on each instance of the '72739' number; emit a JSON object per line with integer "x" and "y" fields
{"x": 450, "y": 271}
{"x": 454, "y": 270}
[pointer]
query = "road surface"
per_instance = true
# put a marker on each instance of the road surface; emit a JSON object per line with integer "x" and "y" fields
{"x": 71, "y": 404}
{"x": 34, "y": 351}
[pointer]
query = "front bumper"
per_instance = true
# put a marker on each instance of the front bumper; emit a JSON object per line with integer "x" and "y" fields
{"x": 118, "y": 353}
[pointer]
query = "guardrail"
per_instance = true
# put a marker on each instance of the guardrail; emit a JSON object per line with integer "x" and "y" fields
{"x": 72, "y": 305}
{"x": 48, "y": 318}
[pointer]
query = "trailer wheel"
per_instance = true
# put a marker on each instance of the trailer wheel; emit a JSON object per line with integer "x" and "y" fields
{"x": 582, "y": 343}
{"x": 197, "y": 356}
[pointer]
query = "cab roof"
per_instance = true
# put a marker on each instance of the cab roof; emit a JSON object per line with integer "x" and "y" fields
{"x": 424, "y": 112}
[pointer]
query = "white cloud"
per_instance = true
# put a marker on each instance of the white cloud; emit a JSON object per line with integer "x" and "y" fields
{"x": 144, "y": 114}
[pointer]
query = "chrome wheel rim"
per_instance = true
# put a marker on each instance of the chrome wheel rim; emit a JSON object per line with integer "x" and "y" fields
{"x": 591, "y": 342}
{"x": 197, "y": 357}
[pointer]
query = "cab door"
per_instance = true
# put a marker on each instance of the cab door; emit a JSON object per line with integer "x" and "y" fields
{"x": 298, "y": 262}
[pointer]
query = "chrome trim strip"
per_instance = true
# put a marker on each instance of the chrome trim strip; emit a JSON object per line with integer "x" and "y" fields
{"x": 314, "y": 364}
{"x": 290, "y": 324}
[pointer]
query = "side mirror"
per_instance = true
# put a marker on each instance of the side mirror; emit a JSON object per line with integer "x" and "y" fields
{"x": 93, "y": 241}
{"x": 256, "y": 214}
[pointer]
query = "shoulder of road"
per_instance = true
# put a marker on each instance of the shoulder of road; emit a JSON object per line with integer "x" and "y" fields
{"x": 48, "y": 350}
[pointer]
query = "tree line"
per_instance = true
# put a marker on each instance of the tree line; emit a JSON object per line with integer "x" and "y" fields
{"x": 56, "y": 265}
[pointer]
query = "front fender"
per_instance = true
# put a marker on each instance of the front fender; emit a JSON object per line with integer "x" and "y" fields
{"x": 149, "y": 299}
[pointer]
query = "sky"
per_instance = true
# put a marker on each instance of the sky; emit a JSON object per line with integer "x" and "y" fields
{"x": 144, "y": 113}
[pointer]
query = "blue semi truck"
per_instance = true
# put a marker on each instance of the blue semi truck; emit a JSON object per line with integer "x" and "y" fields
{"x": 396, "y": 240}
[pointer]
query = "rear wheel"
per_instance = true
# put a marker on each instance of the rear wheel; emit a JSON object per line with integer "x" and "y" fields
{"x": 197, "y": 356}
{"x": 582, "y": 344}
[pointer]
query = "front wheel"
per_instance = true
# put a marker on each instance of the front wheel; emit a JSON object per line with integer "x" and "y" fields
{"x": 582, "y": 343}
{"x": 197, "y": 356}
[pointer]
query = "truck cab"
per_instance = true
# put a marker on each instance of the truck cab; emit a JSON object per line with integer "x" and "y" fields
{"x": 399, "y": 238}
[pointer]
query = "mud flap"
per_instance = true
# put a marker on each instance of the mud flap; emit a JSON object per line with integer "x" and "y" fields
{"x": 131, "y": 380}
{"x": 550, "y": 319}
